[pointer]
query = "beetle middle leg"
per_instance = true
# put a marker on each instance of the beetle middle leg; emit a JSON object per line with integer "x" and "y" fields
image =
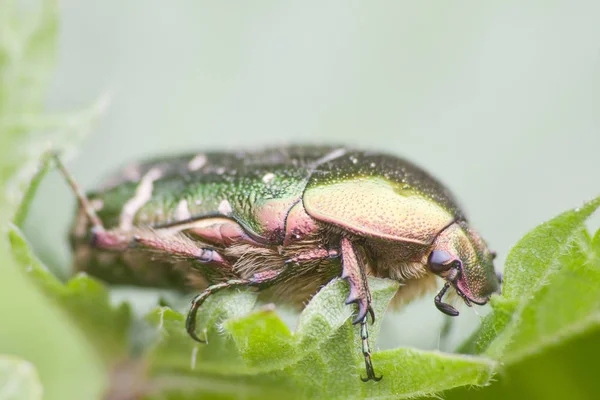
{"x": 354, "y": 272}
{"x": 261, "y": 280}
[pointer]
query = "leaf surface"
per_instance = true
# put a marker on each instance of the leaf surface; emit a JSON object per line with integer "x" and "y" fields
{"x": 550, "y": 291}
{"x": 322, "y": 355}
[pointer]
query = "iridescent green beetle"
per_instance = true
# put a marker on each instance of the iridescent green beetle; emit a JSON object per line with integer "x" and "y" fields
{"x": 285, "y": 219}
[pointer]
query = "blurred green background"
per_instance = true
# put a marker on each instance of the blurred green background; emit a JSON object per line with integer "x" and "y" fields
{"x": 500, "y": 100}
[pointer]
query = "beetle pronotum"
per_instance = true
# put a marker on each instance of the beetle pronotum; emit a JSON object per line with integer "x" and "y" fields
{"x": 284, "y": 221}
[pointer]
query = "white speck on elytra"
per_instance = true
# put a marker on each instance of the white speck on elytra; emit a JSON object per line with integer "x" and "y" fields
{"x": 268, "y": 178}
{"x": 225, "y": 207}
{"x": 143, "y": 194}
{"x": 197, "y": 162}
{"x": 182, "y": 212}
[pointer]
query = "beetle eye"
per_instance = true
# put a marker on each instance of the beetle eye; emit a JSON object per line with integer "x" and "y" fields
{"x": 439, "y": 261}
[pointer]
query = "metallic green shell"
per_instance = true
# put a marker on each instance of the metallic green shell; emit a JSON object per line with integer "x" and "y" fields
{"x": 369, "y": 194}
{"x": 256, "y": 189}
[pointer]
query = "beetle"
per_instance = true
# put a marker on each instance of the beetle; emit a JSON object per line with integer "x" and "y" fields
{"x": 284, "y": 221}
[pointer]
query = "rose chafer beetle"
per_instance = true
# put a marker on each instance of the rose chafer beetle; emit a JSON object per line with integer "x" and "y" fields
{"x": 284, "y": 221}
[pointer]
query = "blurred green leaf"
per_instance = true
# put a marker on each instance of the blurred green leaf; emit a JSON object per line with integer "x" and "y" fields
{"x": 23, "y": 208}
{"x": 565, "y": 371}
{"x": 28, "y": 39}
{"x": 27, "y": 51}
{"x": 28, "y": 35}
{"x": 18, "y": 380}
{"x": 322, "y": 355}
{"x": 86, "y": 299}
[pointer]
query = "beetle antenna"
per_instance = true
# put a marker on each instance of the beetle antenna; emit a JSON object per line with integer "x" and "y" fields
{"x": 444, "y": 307}
{"x": 83, "y": 200}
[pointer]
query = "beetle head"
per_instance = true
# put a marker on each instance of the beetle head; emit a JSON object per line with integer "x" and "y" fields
{"x": 462, "y": 258}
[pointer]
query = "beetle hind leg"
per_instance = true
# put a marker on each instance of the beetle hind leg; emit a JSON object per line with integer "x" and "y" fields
{"x": 190, "y": 320}
{"x": 354, "y": 272}
{"x": 261, "y": 280}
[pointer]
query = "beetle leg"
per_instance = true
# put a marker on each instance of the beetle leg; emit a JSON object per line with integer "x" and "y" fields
{"x": 261, "y": 280}
{"x": 354, "y": 272}
{"x": 444, "y": 307}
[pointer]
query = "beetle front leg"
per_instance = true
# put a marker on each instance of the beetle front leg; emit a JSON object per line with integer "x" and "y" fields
{"x": 261, "y": 280}
{"x": 353, "y": 270}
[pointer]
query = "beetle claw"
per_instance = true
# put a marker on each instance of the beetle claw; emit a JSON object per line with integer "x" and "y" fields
{"x": 362, "y": 312}
{"x": 371, "y": 378}
{"x": 372, "y": 313}
{"x": 370, "y": 372}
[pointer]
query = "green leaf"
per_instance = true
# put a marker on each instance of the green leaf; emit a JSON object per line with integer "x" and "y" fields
{"x": 542, "y": 300}
{"x": 28, "y": 38}
{"x": 27, "y": 52}
{"x": 84, "y": 298}
{"x": 23, "y": 209}
{"x": 536, "y": 257}
{"x": 18, "y": 380}
{"x": 566, "y": 307}
{"x": 322, "y": 355}
{"x": 566, "y": 371}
